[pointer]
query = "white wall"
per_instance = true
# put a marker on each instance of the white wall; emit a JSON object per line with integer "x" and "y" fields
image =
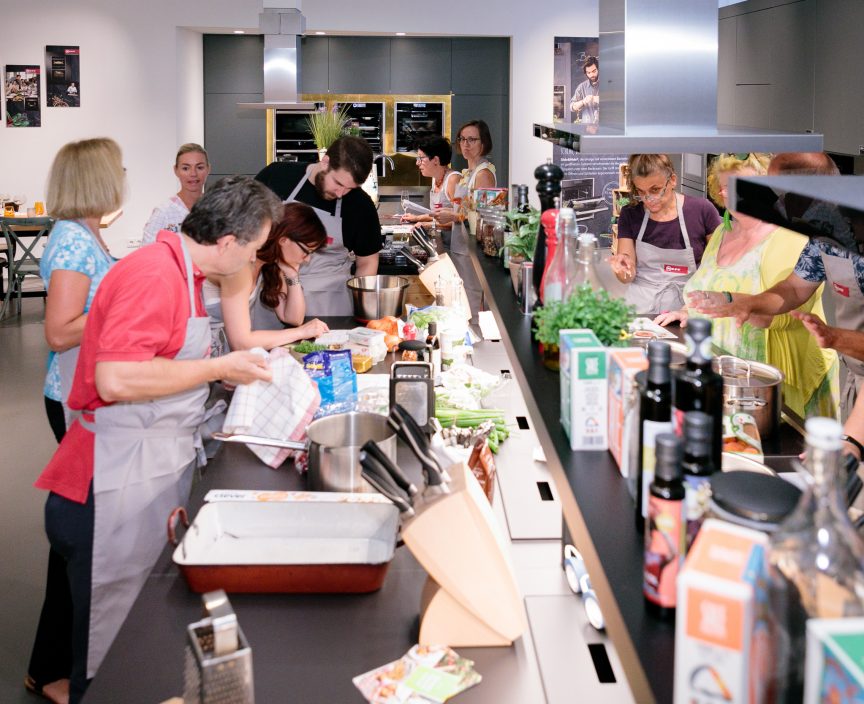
{"x": 141, "y": 77}
{"x": 129, "y": 90}
{"x": 531, "y": 24}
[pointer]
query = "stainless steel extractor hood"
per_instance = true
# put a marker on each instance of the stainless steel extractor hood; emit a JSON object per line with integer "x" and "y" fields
{"x": 658, "y": 87}
{"x": 282, "y": 30}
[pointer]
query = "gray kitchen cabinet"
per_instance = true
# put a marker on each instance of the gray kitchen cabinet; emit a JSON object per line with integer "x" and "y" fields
{"x": 314, "y": 64}
{"x": 494, "y": 110}
{"x": 420, "y": 66}
{"x": 235, "y": 138}
{"x": 359, "y": 64}
{"x": 228, "y": 61}
{"x": 481, "y": 66}
{"x": 839, "y": 94}
{"x": 792, "y": 66}
{"x": 727, "y": 33}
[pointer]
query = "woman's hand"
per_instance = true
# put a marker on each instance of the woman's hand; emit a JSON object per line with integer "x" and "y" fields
{"x": 623, "y": 267}
{"x": 445, "y": 216}
{"x": 672, "y": 316}
{"x": 826, "y": 336}
{"x": 707, "y": 302}
{"x": 312, "y": 328}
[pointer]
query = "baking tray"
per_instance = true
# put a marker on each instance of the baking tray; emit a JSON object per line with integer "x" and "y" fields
{"x": 287, "y": 547}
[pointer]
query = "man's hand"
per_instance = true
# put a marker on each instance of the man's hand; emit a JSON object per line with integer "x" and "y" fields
{"x": 243, "y": 368}
{"x": 826, "y": 336}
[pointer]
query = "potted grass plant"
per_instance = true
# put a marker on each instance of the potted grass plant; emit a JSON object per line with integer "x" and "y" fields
{"x": 326, "y": 126}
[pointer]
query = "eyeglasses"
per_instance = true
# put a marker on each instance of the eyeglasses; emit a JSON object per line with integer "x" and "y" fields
{"x": 467, "y": 140}
{"x": 303, "y": 248}
{"x": 653, "y": 196}
{"x": 421, "y": 159}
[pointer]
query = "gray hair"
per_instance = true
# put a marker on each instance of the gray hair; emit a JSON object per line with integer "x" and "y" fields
{"x": 235, "y": 205}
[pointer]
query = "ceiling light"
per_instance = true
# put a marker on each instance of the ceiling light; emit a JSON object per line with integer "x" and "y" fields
{"x": 400, "y": 34}
{"x": 319, "y": 32}
{"x": 239, "y": 31}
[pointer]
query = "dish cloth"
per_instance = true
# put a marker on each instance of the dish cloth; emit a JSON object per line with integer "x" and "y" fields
{"x": 282, "y": 408}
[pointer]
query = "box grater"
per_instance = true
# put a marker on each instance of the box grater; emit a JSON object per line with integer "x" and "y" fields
{"x": 218, "y": 657}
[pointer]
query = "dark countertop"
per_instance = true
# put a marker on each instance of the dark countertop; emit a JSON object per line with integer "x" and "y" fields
{"x": 597, "y": 506}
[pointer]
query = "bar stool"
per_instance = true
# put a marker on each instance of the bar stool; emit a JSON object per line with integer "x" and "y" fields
{"x": 22, "y": 235}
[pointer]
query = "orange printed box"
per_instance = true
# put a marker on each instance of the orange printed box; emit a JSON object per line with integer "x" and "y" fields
{"x": 624, "y": 365}
{"x": 723, "y": 649}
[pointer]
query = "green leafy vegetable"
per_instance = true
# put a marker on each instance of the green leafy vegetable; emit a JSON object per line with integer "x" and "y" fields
{"x": 307, "y": 346}
{"x": 586, "y": 308}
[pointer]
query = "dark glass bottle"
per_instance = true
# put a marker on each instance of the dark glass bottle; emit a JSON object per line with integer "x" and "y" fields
{"x": 698, "y": 387}
{"x": 655, "y": 417}
{"x": 698, "y": 466}
{"x": 434, "y": 345}
{"x": 522, "y": 205}
{"x": 665, "y": 529}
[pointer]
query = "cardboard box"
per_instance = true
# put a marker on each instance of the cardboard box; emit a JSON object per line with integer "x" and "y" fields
{"x": 624, "y": 365}
{"x": 723, "y": 648}
{"x": 584, "y": 389}
{"x": 834, "y": 670}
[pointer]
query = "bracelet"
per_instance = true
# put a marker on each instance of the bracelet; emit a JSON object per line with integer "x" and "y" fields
{"x": 852, "y": 441}
{"x": 290, "y": 281}
{"x": 728, "y": 296}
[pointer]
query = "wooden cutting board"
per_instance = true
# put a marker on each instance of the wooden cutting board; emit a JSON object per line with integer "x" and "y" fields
{"x": 442, "y": 267}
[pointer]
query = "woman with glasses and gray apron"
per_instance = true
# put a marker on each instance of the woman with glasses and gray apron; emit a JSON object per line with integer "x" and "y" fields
{"x": 324, "y": 276}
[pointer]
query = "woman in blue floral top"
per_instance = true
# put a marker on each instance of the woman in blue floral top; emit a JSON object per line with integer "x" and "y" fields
{"x": 86, "y": 182}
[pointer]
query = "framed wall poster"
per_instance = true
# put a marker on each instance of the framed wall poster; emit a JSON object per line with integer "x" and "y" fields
{"x": 63, "y": 76}
{"x": 21, "y": 89}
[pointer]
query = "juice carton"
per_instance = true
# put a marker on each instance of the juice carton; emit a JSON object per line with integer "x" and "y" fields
{"x": 584, "y": 389}
{"x": 624, "y": 364}
{"x": 723, "y": 644}
{"x": 834, "y": 669}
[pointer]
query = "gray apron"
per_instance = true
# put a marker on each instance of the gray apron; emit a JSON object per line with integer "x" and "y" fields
{"x": 661, "y": 273}
{"x": 848, "y": 301}
{"x": 324, "y": 276}
{"x": 144, "y": 456}
{"x": 262, "y": 317}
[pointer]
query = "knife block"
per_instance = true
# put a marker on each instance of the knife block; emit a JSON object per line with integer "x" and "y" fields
{"x": 471, "y": 598}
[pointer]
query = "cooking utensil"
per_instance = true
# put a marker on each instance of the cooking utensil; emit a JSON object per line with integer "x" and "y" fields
{"x": 286, "y": 547}
{"x": 412, "y": 386}
{"x": 377, "y": 296}
{"x": 754, "y": 388}
{"x": 407, "y": 429}
{"x": 370, "y": 447}
{"x": 333, "y": 444}
{"x": 376, "y": 474}
{"x": 421, "y": 237}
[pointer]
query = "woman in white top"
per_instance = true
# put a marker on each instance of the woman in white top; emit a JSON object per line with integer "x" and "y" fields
{"x": 260, "y": 300}
{"x": 475, "y": 142}
{"x": 433, "y": 160}
{"x": 192, "y": 167}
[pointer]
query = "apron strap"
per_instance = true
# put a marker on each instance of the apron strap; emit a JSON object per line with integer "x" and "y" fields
{"x": 190, "y": 277}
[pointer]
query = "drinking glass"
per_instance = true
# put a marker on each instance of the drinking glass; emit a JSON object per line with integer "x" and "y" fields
{"x": 406, "y": 199}
{"x": 39, "y": 208}
{"x": 9, "y": 210}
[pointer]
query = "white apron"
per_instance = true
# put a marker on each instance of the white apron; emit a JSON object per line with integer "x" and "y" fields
{"x": 849, "y": 313}
{"x": 324, "y": 276}
{"x": 661, "y": 273}
{"x": 144, "y": 456}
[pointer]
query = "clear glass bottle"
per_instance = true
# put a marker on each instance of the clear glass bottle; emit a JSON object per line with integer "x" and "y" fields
{"x": 559, "y": 278}
{"x": 816, "y": 559}
{"x": 584, "y": 255}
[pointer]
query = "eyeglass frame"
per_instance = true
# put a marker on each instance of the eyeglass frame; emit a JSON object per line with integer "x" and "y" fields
{"x": 652, "y": 198}
{"x": 421, "y": 159}
{"x": 467, "y": 140}
{"x": 303, "y": 248}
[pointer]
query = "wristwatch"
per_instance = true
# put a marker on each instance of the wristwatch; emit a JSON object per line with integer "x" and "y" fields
{"x": 291, "y": 281}
{"x": 855, "y": 443}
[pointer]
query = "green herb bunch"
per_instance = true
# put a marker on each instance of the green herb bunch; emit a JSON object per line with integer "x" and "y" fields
{"x": 525, "y": 227}
{"x": 586, "y": 308}
{"x": 327, "y": 126}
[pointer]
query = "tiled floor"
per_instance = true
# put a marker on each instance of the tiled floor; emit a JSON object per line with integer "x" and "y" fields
{"x": 26, "y": 444}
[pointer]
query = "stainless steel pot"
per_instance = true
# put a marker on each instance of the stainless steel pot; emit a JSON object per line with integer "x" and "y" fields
{"x": 752, "y": 387}
{"x": 377, "y": 296}
{"x": 333, "y": 445}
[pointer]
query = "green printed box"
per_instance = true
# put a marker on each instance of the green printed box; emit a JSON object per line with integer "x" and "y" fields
{"x": 584, "y": 389}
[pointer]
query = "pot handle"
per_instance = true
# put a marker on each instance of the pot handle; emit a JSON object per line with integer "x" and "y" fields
{"x": 177, "y": 515}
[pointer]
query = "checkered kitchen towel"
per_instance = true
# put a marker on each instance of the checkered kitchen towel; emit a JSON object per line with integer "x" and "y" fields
{"x": 282, "y": 408}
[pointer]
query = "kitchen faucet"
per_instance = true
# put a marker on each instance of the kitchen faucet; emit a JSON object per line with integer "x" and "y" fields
{"x": 387, "y": 160}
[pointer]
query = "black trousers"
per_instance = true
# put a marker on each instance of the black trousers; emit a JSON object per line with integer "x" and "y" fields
{"x": 51, "y": 658}
{"x": 69, "y": 526}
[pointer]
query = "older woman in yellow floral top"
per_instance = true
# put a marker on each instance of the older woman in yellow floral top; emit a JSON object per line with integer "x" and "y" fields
{"x": 744, "y": 257}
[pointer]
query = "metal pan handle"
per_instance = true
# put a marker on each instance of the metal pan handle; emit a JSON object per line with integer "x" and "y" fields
{"x": 411, "y": 258}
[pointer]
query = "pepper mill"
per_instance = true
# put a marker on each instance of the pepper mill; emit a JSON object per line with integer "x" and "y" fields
{"x": 548, "y": 177}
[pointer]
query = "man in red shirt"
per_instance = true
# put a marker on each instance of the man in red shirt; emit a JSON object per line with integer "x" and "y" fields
{"x": 141, "y": 384}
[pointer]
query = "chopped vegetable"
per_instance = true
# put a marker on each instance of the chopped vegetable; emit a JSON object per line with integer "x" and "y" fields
{"x": 307, "y": 346}
{"x": 464, "y": 427}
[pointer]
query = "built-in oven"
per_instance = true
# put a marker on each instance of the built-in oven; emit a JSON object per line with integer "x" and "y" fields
{"x": 415, "y": 122}
{"x": 559, "y": 105}
{"x": 292, "y": 140}
{"x": 368, "y": 120}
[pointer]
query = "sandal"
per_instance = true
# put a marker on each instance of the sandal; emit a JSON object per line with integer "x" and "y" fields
{"x": 56, "y": 697}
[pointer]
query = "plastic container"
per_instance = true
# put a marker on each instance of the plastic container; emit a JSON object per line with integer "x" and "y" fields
{"x": 751, "y": 500}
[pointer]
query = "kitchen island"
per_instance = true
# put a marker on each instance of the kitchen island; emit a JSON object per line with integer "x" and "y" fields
{"x": 306, "y": 648}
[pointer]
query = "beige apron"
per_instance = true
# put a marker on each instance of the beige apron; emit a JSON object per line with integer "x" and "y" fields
{"x": 848, "y": 301}
{"x": 144, "y": 456}
{"x": 661, "y": 273}
{"x": 325, "y": 274}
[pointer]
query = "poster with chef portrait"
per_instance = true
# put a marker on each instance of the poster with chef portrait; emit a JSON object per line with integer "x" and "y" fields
{"x": 63, "y": 76}
{"x": 21, "y": 91}
{"x": 576, "y": 80}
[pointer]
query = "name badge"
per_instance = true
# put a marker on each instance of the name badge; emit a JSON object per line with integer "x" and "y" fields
{"x": 675, "y": 269}
{"x": 841, "y": 289}
{"x": 330, "y": 240}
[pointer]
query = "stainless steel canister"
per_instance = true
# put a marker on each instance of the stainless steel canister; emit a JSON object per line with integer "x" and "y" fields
{"x": 527, "y": 297}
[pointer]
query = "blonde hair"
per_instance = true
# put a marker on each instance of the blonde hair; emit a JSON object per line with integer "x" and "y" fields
{"x": 732, "y": 164}
{"x": 86, "y": 180}
{"x": 191, "y": 148}
{"x": 643, "y": 165}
